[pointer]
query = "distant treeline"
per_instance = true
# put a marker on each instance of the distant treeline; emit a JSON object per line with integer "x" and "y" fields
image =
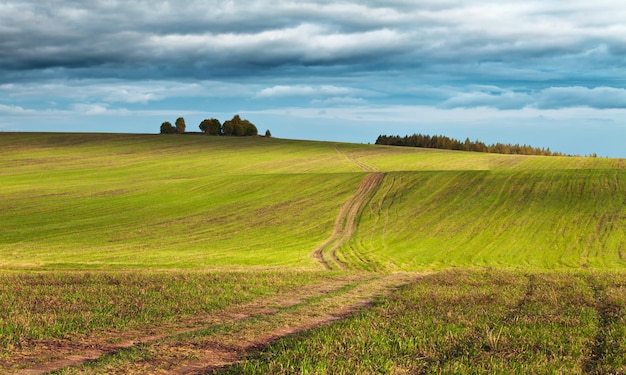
{"x": 447, "y": 143}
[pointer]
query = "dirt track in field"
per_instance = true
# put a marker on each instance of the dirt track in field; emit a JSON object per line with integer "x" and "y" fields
{"x": 239, "y": 330}
{"x": 219, "y": 351}
{"x": 291, "y": 312}
{"x": 347, "y": 219}
{"x": 346, "y": 223}
{"x": 364, "y": 167}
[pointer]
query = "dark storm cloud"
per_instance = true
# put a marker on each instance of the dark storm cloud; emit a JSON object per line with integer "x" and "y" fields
{"x": 207, "y": 38}
{"x": 541, "y": 54}
{"x": 197, "y": 36}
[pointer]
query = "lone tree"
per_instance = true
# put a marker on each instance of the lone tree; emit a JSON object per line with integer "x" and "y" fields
{"x": 167, "y": 128}
{"x": 211, "y": 126}
{"x": 180, "y": 125}
{"x": 267, "y": 133}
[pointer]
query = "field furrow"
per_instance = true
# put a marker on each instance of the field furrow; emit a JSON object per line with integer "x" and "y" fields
{"x": 364, "y": 167}
{"x": 462, "y": 322}
{"x": 346, "y": 224}
{"x": 58, "y": 353}
{"x": 235, "y": 334}
{"x": 606, "y": 349}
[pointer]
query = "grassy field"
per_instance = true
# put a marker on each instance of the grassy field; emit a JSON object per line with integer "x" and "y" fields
{"x": 92, "y": 201}
{"x": 148, "y": 201}
{"x": 146, "y": 253}
{"x": 469, "y": 323}
{"x": 531, "y": 219}
{"x": 53, "y": 304}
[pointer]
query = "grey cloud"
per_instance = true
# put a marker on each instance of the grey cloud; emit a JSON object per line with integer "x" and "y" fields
{"x": 84, "y": 50}
{"x": 213, "y": 38}
{"x": 531, "y": 52}
{"x": 597, "y": 97}
{"x": 119, "y": 91}
{"x": 503, "y": 100}
{"x": 548, "y": 98}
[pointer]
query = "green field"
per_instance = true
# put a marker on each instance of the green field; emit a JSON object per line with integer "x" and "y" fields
{"x": 469, "y": 323}
{"x": 107, "y": 237}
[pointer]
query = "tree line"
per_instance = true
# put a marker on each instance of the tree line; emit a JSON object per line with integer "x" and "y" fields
{"x": 234, "y": 127}
{"x": 447, "y": 143}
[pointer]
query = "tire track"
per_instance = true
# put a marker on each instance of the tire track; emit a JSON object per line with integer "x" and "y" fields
{"x": 56, "y": 355}
{"x": 387, "y": 214}
{"x": 609, "y": 314}
{"x": 363, "y": 287}
{"x": 207, "y": 352}
{"x": 364, "y": 167}
{"x": 226, "y": 337}
{"x": 346, "y": 223}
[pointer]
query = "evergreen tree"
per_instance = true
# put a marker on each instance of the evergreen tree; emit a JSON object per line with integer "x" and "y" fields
{"x": 443, "y": 142}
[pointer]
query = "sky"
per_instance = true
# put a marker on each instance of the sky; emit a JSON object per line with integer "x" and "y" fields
{"x": 547, "y": 73}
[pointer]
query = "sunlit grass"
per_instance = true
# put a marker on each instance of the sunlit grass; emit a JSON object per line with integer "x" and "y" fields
{"x": 53, "y": 305}
{"x": 110, "y": 232}
{"x": 190, "y": 201}
{"x": 465, "y": 323}
{"x": 394, "y": 158}
{"x": 181, "y": 201}
{"x": 536, "y": 219}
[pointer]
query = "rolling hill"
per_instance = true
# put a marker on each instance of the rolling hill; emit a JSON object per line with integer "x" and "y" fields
{"x": 125, "y": 253}
{"x": 188, "y": 201}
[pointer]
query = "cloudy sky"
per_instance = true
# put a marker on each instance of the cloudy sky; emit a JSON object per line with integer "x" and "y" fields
{"x": 547, "y": 73}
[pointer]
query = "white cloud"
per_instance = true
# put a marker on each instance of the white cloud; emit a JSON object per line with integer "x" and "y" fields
{"x": 13, "y": 110}
{"x": 420, "y": 115}
{"x": 339, "y": 100}
{"x": 308, "y": 91}
{"x": 375, "y": 44}
{"x": 121, "y": 91}
{"x": 305, "y": 43}
{"x": 548, "y": 98}
{"x": 501, "y": 100}
{"x": 90, "y": 109}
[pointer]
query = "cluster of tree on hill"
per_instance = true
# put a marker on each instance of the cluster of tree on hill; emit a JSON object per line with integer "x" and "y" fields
{"x": 168, "y": 128}
{"x": 235, "y": 127}
{"x": 443, "y": 142}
